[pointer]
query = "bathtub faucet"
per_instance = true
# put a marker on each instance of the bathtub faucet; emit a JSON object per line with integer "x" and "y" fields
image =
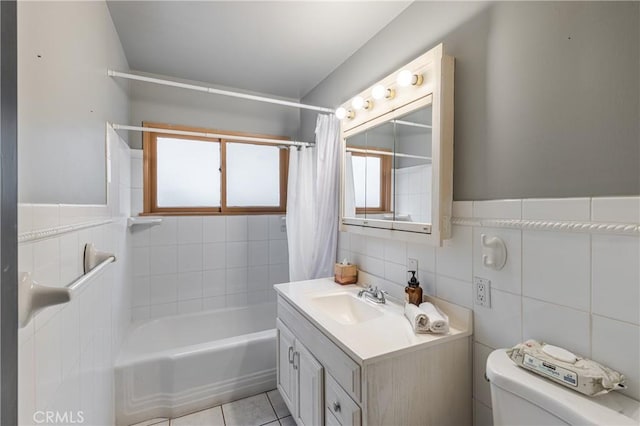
{"x": 374, "y": 294}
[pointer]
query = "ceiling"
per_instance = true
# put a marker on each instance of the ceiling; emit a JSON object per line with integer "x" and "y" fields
{"x": 282, "y": 48}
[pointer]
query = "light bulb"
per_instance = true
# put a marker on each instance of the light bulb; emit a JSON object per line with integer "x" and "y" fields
{"x": 379, "y": 92}
{"x": 407, "y": 78}
{"x": 341, "y": 113}
{"x": 357, "y": 103}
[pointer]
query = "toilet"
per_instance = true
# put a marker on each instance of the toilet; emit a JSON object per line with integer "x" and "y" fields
{"x": 520, "y": 397}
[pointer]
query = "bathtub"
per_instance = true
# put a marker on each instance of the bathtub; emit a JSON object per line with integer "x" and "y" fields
{"x": 172, "y": 366}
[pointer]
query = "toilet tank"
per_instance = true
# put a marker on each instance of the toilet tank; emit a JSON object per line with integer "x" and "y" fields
{"x": 520, "y": 397}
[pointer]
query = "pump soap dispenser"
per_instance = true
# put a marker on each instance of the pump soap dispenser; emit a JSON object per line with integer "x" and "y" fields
{"x": 413, "y": 290}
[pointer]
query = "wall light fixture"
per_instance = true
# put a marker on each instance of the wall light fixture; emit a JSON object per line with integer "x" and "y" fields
{"x": 407, "y": 78}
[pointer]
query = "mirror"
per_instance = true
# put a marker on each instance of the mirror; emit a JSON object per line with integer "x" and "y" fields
{"x": 388, "y": 171}
{"x": 397, "y": 163}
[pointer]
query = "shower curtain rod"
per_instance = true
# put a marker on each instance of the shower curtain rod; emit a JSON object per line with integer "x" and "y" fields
{"x": 211, "y": 135}
{"x": 215, "y": 91}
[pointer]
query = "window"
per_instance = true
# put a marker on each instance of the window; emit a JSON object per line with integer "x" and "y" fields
{"x": 197, "y": 175}
{"x": 372, "y": 181}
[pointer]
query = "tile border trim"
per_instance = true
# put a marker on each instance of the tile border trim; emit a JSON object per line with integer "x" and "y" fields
{"x": 558, "y": 226}
{"x": 42, "y": 234}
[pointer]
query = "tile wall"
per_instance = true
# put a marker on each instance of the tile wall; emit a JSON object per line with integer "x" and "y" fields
{"x": 576, "y": 290}
{"x": 410, "y": 198}
{"x": 66, "y": 353}
{"x": 191, "y": 263}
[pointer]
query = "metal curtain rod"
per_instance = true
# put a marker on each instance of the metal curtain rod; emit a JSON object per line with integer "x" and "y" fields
{"x": 210, "y": 135}
{"x": 215, "y": 91}
{"x": 387, "y": 153}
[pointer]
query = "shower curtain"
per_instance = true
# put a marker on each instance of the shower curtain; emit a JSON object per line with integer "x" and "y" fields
{"x": 312, "y": 203}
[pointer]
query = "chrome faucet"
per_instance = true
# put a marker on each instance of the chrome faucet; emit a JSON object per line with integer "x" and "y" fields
{"x": 374, "y": 294}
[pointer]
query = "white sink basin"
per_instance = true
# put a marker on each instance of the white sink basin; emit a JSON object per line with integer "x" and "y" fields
{"x": 346, "y": 308}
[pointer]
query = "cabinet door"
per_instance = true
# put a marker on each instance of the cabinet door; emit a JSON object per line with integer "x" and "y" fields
{"x": 286, "y": 374}
{"x": 310, "y": 407}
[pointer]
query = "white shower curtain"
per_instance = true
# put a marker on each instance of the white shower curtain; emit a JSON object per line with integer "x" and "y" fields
{"x": 312, "y": 203}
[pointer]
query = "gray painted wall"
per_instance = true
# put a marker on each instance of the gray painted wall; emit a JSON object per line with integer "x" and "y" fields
{"x": 546, "y": 94}
{"x": 154, "y": 103}
{"x": 64, "y": 99}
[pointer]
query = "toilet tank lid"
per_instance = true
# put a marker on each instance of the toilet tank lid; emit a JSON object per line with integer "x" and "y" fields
{"x": 572, "y": 407}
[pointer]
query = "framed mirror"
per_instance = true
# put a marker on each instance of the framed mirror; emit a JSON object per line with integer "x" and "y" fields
{"x": 397, "y": 164}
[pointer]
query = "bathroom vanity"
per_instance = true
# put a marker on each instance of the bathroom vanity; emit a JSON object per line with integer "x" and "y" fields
{"x": 343, "y": 360}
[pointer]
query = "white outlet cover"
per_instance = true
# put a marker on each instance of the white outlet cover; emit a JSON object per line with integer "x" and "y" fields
{"x": 482, "y": 291}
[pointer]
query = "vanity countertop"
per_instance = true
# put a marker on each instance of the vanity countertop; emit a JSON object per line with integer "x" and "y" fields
{"x": 384, "y": 332}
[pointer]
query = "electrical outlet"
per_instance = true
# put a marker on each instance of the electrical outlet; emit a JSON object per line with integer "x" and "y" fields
{"x": 482, "y": 291}
{"x": 412, "y": 264}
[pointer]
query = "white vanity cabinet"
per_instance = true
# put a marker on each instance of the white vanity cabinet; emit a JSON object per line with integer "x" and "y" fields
{"x": 300, "y": 379}
{"x": 378, "y": 372}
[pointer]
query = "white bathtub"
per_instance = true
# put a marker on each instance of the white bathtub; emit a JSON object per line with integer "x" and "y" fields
{"x": 172, "y": 366}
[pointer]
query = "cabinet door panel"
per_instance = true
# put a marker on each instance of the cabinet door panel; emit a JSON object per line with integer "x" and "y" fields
{"x": 286, "y": 374}
{"x": 310, "y": 388}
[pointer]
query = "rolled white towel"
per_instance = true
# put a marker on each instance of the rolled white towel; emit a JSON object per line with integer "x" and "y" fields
{"x": 417, "y": 317}
{"x": 438, "y": 321}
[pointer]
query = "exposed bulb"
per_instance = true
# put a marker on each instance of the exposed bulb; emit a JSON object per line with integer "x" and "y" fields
{"x": 407, "y": 78}
{"x": 359, "y": 103}
{"x": 379, "y": 91}
{"x": 342, "y": 113}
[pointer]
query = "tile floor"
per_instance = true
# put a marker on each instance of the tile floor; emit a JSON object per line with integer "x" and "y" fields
{"x": 263, "y": 409}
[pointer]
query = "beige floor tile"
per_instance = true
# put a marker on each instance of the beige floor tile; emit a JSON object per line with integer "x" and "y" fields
{"x": 253, "y": 411}
{"x": 210, "y": 417}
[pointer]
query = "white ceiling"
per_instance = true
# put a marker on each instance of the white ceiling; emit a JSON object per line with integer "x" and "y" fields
{"x": 283, "y": 48}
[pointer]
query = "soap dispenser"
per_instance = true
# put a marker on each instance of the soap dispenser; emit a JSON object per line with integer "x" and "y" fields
{"x": 413, "y": 290}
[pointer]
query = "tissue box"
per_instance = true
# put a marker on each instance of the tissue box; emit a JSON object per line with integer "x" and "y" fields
{"x": 345, "y": 273}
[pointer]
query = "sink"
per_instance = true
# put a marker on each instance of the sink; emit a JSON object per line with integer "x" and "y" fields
{"x": 346, "y": 308}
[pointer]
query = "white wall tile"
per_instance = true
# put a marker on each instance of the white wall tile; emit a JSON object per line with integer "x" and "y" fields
{"x": 48, "y": 362}
{"x": 214, "y": 229}
{"x": 258, "y": 228}
{"x": 278, "y": 274}
{"x": 70, "y": 262}
{"x": 509, "y": 278}
{"x": 190, "y": 257}
{"x": 278, "y": 252}
{"x": 25, "y": 257}
{"x": 217, "y": 302}
{"x": 214, "y": 283}
{"x": 164, "y": 234}
{"x": 375, "y": 247}
{"x": 163, "y": 289}
{"x": 136, "y": 173}
{"x": 46, "y": 262}
{"x": 617, "y": 345}
{"x": 615, "y": 277}
{"x": 616, "y": 209}
{"x": 259, "y": 253}
{"x": 372, "y": 265}
{"x": 498, "y": 209}
{"x": 140, "y": 236}
{"x": 258, "y": 278}
{"x": 277, "y": 228}
{"x": 556, "y": 325}
{"x": 499, "y": 326}
{"x": 344, "y": 241}
{"x": 395, "y": 251}
{"x": 137, "y": 201}
{"x": 140, "y": 291}
{"x": 237, "y": 228}
{"x": 163, "y": 310}
{"x": 396, "y": 273}
{"x": 214, "y": 256}
{"x": 25, "y": 218}
{"x": 555, "y": 267}
{"x": 189, "y": 286}
{"x": 190, "y": 230}
{"x": 454, "y": 290}
{"x": 163, "y": 259}
{"x": 427, "y": 282}
{"x": 462, "y": 209}
{"x": 189, "y": 306}
{"x": 26, "y": 383}
{"x": 454, "y": 258}
{"x": 237, "y": 254}
{"x": 236, "y": 280}
{"x": 481, "y": 388}
{"x": 140, "y": 313}
{"x": 424, "y": 254}
{"x": 557, "y": 209}
{"x": 140, "y": 257}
